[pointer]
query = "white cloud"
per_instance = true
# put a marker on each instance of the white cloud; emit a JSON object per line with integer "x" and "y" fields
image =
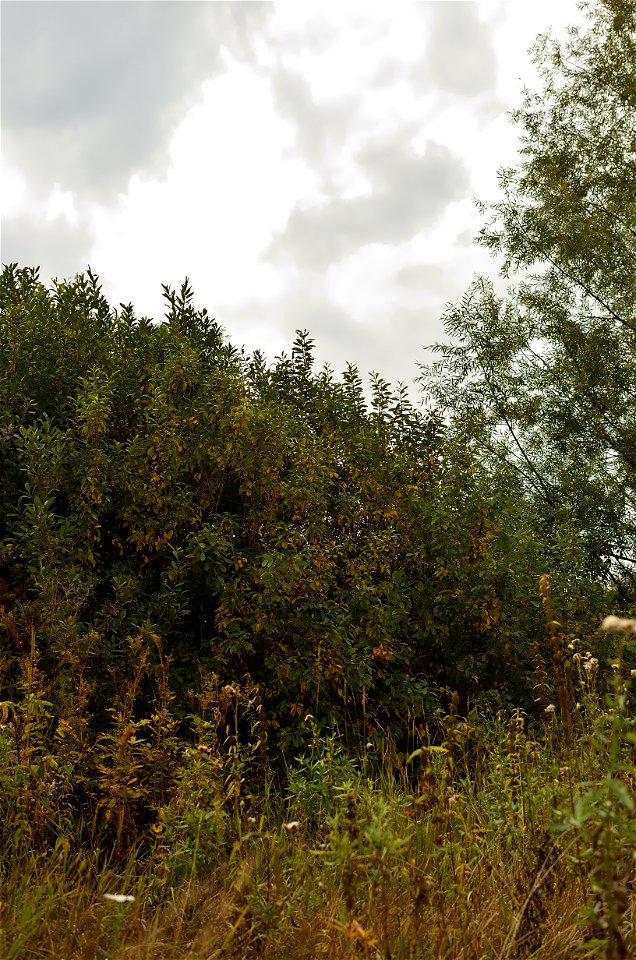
{"x": 15, "y": 197}
{"x": 231, "y": 182}
{"x": 317, "y": 139}
{"x": 61, "y": 203}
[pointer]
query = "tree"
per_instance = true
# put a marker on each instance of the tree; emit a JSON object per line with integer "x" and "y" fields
{"x": 540, "y": 381}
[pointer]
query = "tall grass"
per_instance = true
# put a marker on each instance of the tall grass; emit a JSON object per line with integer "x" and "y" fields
{"x": 494, "y": 838}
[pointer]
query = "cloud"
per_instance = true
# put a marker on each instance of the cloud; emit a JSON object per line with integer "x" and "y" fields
{"x": 418, "y": 276}
{"x": 304, "y": 167}
{"x": 14, "y": 192}
{"x": 62, "y": 204}
{"x": 320, "y": 127}
{"x": 460, "y": 56}
{"x": 232, "y": 179}
{"x": 42, "y": 230}
{"x": 59, "y": 245}
{"x": 92, "y": 91}
{"x": 408, "y": 193}
{"x": 377, "y": 308}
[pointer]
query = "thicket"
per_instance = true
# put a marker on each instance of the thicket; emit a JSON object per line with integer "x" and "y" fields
{"x": 184, "y": 528}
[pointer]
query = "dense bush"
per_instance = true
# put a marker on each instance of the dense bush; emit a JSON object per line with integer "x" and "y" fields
{"x": 173, "y": 509}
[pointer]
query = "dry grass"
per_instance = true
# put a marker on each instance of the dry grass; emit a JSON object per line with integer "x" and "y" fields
{"x": 453, "y": 860}
{"x": 494, "y": 842}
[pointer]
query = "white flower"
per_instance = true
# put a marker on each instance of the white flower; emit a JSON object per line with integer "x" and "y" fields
{"x": 291, "y": 827}
{"x": 612, "y": 624}
{"x": 550, "y": 708}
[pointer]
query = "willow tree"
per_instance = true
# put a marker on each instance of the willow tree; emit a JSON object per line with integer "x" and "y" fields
{"x": 541, "y": 380}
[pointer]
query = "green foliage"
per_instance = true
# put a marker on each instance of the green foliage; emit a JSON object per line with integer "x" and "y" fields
{"x": 230, "y": 589}
{"x": 314, "y": 779}
{"x": 538, "y": 382}
{"x": 172, "y": 508}
{"x": 602, "y": 819}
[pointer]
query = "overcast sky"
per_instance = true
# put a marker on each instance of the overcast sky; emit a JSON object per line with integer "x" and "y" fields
{"x": 307, "y": 165}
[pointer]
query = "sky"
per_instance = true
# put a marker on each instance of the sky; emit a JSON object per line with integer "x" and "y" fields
{"x": 307, "y": 165}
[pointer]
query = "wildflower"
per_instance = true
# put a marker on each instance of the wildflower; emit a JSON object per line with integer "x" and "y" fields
{"x": 591, "y": 665}
{"x": 291, "y": 827}
{"x": 612, "y": 624}
{"x": 550, "y": 708}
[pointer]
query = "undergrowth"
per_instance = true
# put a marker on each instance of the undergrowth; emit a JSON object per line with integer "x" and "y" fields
{"x": 493, "y": 836}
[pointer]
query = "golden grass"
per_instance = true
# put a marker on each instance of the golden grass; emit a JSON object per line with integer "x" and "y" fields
{"x": 454, "y": 860}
